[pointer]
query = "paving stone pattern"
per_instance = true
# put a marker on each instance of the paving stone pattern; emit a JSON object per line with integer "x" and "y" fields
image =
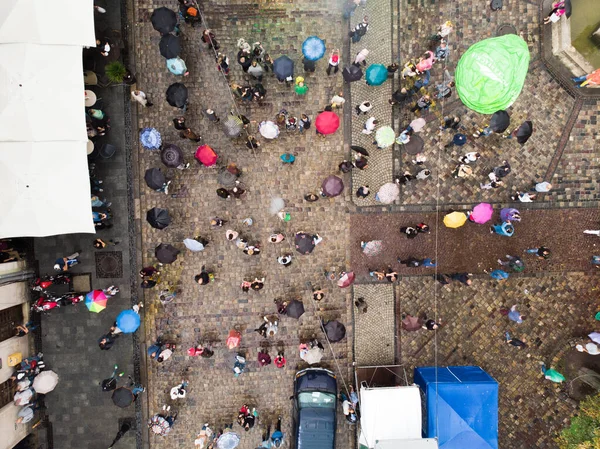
{"x": 374, "y": 337}
{"x": 208, "y": 312}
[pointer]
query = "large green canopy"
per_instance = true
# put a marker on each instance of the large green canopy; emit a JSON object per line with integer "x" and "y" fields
{"x": 491, "y": 73}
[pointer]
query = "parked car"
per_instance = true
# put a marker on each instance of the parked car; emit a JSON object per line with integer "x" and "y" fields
{"x": 315, "y": 402}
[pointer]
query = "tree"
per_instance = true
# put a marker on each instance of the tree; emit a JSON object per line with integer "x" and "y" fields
{"x": 584, "y": 431}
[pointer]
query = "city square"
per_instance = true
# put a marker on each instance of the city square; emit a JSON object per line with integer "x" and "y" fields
{"x": 232, "y": 208}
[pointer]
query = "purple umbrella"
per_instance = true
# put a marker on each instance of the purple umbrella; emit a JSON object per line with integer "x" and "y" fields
{"x": 332, "y": 186}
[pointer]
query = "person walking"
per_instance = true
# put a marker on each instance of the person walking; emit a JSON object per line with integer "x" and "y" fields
{"x": 409, "y": 231}
{"x": 179, "y": 123}
{"x": 499, "y": 275}
{"x": 189, "y": 134}
{"x": 277, "y": 436}
{"x": 363, "y": 192}
{"x": 512, "y": 314}
{"x": 514, "y": 263}
{"x": 361, "y": 57}
{"x": 338, "y": 100}
{"x": 370, "y": 125}
{"x": 204, "y": 277}
{"x": 334, "y": 62}
{"x": 542, "y": 252}
{"x": 256, "y": 71}
{"x": 519, "y": 344}
{"x": 422, "y": 104}
{"x": 300, "y": 88}
{"x": 304, "y": 123}
{"x": 542, "y": 187}
{"x": 463, "y": 278}
{"x": 141, "y": 98}
{"x": 263, "y": 358}
{"x": 359, "y": 30}
{"x": 65, "y": 263}
{"x": 211, "y": 115}
{"x": 363, "y": 108}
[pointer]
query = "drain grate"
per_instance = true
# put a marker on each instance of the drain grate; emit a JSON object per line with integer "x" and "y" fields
{"x": 505, "y": 28}
{"x": 109, "y": 264}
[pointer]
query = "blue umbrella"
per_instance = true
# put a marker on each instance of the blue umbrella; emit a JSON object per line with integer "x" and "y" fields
{"x": 150, "y": 138}
{"x": 283, "y": 67}
{"x": 376, "y": 74}
{"x": 128, "y": 321}
{"x": 176, "y": 66}
{"x": 313, "y": 48}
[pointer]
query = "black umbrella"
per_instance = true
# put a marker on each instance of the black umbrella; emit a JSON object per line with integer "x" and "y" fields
{"x": 500, "y": 121}
{"x": 283, "y": 67}
{"x": 171, "y": 155}
{"x": 177, "y": 95}
{"x": 568, "y": 8}
{"x": 164, "y": 20}
{"x": 166, "y": 253}
{"x": 170, "y": 47}
{"x": 352, "y": 73}
{"x": 524, "y": 132}
{"x": 154, "y": 178}
{"x": 294, "y": 309}
{"x": 305, "y": 243}
{"x": 360, "y": 150}
{"x": 123, "y": 397}
{"x": 335, "y": 330}
{"x": 158, "y": 218}
{"x": 414, "y": 145}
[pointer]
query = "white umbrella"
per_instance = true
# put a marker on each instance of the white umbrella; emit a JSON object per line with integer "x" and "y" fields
{"x": 418, "y": 124}
{"x": 268, "y": 129}
{"x": 313, "y": 355}
{"x": 595, "y": 336}
{"x": 388, "y": 193}
{"x": 193, "y": 245}
{"x": 45, "y": 382}
{"x": 229, "y": 440}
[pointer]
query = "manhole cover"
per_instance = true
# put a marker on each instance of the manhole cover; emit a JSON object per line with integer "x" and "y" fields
{"x": 506, "y": 29}
{"x": 109, "y": 264}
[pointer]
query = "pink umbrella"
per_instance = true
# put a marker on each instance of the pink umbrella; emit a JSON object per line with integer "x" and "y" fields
{"x": 482, "y": 213}
{"x": 346, "y": 279}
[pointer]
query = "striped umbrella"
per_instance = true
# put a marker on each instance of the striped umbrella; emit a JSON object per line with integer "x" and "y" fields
{"x": 95, "y": 301}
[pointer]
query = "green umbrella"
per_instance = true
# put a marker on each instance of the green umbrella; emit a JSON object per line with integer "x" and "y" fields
{"x": 554, "y": 376}
{"x": 491, "y": 73}
{"x": 385, "y": 137}
{"x": 376, "y": 74}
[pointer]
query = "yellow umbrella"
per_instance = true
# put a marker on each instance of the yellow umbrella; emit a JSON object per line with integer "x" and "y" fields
{"x": 455, "y": 220}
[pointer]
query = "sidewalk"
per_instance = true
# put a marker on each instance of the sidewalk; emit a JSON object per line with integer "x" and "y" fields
{"x": 81, "y": 414}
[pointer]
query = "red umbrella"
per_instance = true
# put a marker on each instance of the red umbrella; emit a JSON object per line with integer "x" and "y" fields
{"x": 327, "y": 122}
{"x": 206, "y": 155}
{"x": 346, "y": 279}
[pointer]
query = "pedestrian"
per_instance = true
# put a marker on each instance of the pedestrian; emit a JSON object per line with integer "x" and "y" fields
{"x": 542, "y": 187}
{"x": 179, "y": 391}
{"x": 204, "y": 277}
{"x": 252, "y": 143}
{"x": 211, "y": 116}
{"x": 392, "y": 68}
{"x": 470, "y": 157}
{"x": 409, "y": 231}
{"x": 499, "y": 275}
{"x": 512, "y": 314}
{"x": 596, "y": 261}
{"x": 238, "y": 192}
{"x": 524, "y": 197}
{"x": 558, "y": 9}
{"x": 244, "y": 61}
{"x": 404, "y": 136}
{"x": 291, "y": 123}
{"x": 514, "y": 341}
{"x": 423, "y": 174}
{"x": 300, "y": 88}
{"x": 429, "y": 263}
{"x": 462, "y": 171}
{"x": 442, "y": 51}
{"x": 280, "y": 360}
{"x": 364, "y": 107}
{"x": 334, "y": 62}
{"x": 257, "y": 284}
{"x": 590, "y": 348}
{"x": 189, "y": 134}
{"x": 65, "y": 263}
{"x": 514, "y": 262}
{"x": 391, "y": 275}
{"x": 311, "y": 197}
{"x": 166, "y": 352}
{"x": 444, "y": 90}
{"x": 348, "y": 409}
{"x": 459, "y": 139}
{"x": 425, "y": 62}
{"x": 411, "y": 262}
{"x": 444, "y": 30}
{"x": 309, "y": 66}
{"x": 256, "y": 70}
{"x": 551, "y": 374}
{"x": 432, "y": 325}
{"x": 101, "y": 244}
{"x": 359, "y": 30}
{"x": 264, "y": 358}
{"x": 363, "y": 192}
{"x": 285, "y": 260}
{"x": 370, "y": 125}
{"x": 463, "y": 278}
{"x": 141, "y": 98}
{"x": 450, "y": 122}
{"x": 378, "y": 275}
{"x": 277, "y": 436}
{"x": 493, "y": 184}
{"x": 361, "y": 305}
{"x": 223, "y": 193}
{"x": 406, "y": 177}
{"x": 304, "y": 123}
{"x": 179, "y": 123}
{"x": 505, "y": 229}
{"x": 338, "y": 100}
{"x": 399, "y": 97}
{"x": 223, "y": 63}
{"x": 209, "y": 38}
{"x": 288, "y": 158}
{"x": 360, "y": 161}
{"x": 26, "y": 414}
{"x": 409, "y": 70}
{"x": 542, "y": 252}
{"x": 422, "y": 104}
{"x": 258, "y": 51}
{"x": 106, "y": 341}
{"x": 22, "y": 330}
{"x": 361, "y": 57}
{"x": 23, "y": 397}
{"x": 592, "y": 79}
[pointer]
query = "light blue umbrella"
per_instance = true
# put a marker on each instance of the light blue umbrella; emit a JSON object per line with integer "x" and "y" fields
{"x": 313, "y": 48}
{"x": 229, "y": 440}
{"x": 376, "y": 74}
{"x": 128, "y": 321}
{"x": 176, "y": 66}
{"x": 193, "y": 245}
{"x": 150, "y": 138}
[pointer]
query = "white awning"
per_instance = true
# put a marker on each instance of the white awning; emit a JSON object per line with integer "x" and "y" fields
{"x": 45, "y": 189}
{"x": 49, "y": 22}
{"x": 389, "y": 413}
{"x": 42, "y": 95}
{"x": 425, "y": 443}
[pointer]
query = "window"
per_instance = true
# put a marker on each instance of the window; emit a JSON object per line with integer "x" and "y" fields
{"x": 9, "y": 319}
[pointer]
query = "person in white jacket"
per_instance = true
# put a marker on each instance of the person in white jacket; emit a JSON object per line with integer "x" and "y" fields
{"x": 141, "y": 98}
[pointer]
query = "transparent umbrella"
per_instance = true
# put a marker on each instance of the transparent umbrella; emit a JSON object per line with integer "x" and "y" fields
{"x": 385, "y": 137}
{"x": 268, "y": 129}
{"x": 228, "y": 440}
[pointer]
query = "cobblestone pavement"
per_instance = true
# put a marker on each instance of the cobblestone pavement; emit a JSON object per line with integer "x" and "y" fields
{"x": 208, "y": 313}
